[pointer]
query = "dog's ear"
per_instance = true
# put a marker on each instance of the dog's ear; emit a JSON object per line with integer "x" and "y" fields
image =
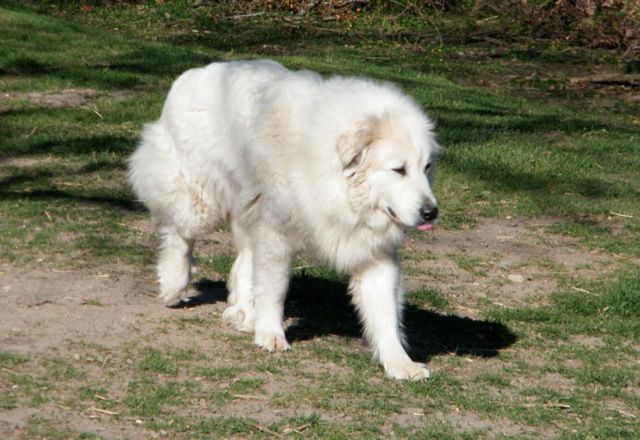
{"x": 353, "y": 145}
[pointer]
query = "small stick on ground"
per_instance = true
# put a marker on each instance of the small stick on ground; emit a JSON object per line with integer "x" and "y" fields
{"x": 105, "y": 411}
{"x": 248, "y": 397}
{"x": 617, "y": 214}
{"x": 267, "y": 431}
{"x": 297, "y": 430}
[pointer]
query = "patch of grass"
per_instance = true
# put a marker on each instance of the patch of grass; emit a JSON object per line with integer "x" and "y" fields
{"x": 8, "y": 400}
{"x": 429, "y": 297}
{"x": 156, "y": 362}
{"x": 191, "y": 321}
{"x": 45, "y": 428}
{"x": 610, "y": 376}
{"x": 90, "y": 393}
{"x": 149, "y": 398}
{"x": 602, "y": 232}
{"x": 621, "y": 299}
{"x": 219, "y": 263}
{"x": 213, "y": 427}
{"x": 470, "y": 263}
{"x": 165, "y": 362}
{"x": 246, "y": 385}
{"x": 438, "y": 429}
{"x": 10, "y": 359}
{"x": 494, "y": 379}
{"x": 530, "y": 315}
{"x": 217, "y": 374}
{"x": 59, "y": 369}
{"x": 610, "y": 308}
{"x": 22, "y": 388}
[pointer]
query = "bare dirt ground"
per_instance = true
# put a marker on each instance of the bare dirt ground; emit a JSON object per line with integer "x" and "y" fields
{"x": 506, "y": 262}
{"x": 71, "y": 97}
{"x": 55, "y": 313}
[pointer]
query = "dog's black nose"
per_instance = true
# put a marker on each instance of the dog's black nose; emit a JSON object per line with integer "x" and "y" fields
{"x": 429, "y": 213}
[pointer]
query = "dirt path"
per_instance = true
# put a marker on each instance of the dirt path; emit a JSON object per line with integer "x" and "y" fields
{"x": 505, "y": 262}
{"x": 49, "y": 313}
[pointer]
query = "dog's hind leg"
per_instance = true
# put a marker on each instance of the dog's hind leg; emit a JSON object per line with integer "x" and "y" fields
{"x": 175, "y": 266}
{"x": 240, "y": 313}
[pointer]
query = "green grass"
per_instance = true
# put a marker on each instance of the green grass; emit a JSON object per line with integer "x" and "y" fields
{"x": 608, "y": 308}
{"x": 504, "y": 155}
{"x": 429, "y": 297}
{"x": 564, "y": 367}
{"x": 149, "y": 398}
{"x": 40, "y": 427}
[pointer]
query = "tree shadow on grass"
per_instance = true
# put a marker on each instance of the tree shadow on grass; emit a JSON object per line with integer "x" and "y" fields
{"x": 320, "y": 307}
{"x": 36, "y": 185}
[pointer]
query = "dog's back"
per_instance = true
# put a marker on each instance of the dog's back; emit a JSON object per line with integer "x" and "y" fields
{"x": 205, "y": 120}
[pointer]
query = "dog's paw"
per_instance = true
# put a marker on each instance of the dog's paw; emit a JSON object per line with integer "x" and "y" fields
{"x": 408, "y": 371}
{"x": 239, "y": 318}
{"x": 272, "y": 342}
{"x": 173, "y": 297}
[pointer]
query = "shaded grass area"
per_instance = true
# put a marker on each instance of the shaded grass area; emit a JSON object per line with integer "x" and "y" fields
{"x": 64, "y": 202}
{"x": 502, "y": 156}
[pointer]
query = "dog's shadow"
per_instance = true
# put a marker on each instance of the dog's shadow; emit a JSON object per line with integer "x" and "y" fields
{"x": 321, "y": 307}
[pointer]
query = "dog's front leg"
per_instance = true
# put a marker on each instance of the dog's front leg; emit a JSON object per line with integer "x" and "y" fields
{"x": 271, "y": 271}
{"x": 377, "y": 294}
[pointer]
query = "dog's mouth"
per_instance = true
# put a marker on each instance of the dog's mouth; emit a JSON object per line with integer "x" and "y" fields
{"x": 393, "y": 215}
{"x": 421, "y": 227}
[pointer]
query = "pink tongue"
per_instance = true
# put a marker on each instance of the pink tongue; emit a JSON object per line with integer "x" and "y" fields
{"x": 425, "y": 227}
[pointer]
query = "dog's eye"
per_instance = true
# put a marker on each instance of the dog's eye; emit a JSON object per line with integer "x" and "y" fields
{"x": 426, "y": 169}
{"x": 401, "y": 170}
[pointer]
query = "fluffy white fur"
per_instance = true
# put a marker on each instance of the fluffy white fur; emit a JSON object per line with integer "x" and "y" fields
{"x": 336, "y": 168}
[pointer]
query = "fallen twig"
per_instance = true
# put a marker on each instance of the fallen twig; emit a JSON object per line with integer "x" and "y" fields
{"x": 94, "y": 109}
{"x": 267, "y": 431}
{"x": 578, "y": 289}
{"x": 248, "y": 397}
{"x": 626, "y": 414}
{"x": 617, "y": 214}
{"x": 243, "y": 16}
{"x": 557, "y": 405}
{"x": 297, "y": 430}
{"x": 105, "y": 411}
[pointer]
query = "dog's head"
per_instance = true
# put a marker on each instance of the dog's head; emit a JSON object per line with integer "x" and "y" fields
{"x": 389, "y": 162}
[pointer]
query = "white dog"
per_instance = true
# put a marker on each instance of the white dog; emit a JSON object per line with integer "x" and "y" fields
{"x": 335, "y": 167}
